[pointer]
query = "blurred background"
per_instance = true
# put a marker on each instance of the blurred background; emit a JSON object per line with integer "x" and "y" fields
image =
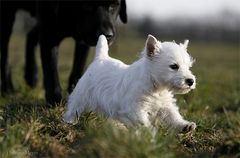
{"x": 199, "y": 19}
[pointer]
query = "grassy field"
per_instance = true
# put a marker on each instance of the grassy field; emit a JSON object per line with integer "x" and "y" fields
{"x": 29, "y": 129}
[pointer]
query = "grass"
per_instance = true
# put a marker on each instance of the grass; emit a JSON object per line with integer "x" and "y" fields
{"x": 29, "y": 129}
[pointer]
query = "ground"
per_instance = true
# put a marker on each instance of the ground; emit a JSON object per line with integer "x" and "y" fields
{"x": 29, "y": 129}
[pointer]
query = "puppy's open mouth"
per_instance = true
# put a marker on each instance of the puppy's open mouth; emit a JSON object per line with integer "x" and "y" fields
{"x": 181, "y": 89}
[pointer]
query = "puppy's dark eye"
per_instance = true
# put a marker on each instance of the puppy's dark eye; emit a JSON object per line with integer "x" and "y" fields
{"x": 174, "y": 66}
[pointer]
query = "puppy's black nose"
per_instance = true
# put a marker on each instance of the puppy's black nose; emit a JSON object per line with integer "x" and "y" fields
{"x": 189, "y": 81}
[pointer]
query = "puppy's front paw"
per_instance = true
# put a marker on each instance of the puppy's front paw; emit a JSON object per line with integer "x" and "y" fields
{"x": 189, "y": 127}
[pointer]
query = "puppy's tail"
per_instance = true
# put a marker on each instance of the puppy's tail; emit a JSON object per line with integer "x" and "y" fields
{"x": 101, "y": 47}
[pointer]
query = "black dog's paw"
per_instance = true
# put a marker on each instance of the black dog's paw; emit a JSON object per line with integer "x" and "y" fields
{"x": 53, "y": 99}
{"x": 31, "y": 79}
{"x": 191, "y": 126}
{"x": 7, "y": 88}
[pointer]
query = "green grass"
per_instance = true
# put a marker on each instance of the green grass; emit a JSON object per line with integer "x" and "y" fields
{"x": 29, "y": 129}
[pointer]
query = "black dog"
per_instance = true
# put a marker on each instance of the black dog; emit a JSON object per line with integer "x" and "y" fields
{"x": 81, "y": 19}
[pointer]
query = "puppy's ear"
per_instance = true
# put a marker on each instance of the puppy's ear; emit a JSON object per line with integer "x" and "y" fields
{"x": 151, "y": 46}
{"x": 123, "y": 11}
{"x": 185, "y": 44}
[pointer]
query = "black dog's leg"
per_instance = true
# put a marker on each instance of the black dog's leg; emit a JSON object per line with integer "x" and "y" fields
{"x": 80, "y": 57}
{"x": 6, "y": 29}
{"x": 49, "y": 53}
{"x": 31, "y": 74}
{"x": 49, "y": 41}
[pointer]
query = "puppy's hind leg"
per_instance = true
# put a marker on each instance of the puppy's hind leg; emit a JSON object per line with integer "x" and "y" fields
{"x": 73, "y": 112}
{"x": 76, "y": 105}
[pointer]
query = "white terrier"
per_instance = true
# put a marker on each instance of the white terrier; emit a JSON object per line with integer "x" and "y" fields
{"x": 137, "y": 94}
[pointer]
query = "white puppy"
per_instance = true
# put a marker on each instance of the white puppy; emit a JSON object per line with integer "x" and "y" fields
{"x": 136, "y": 94}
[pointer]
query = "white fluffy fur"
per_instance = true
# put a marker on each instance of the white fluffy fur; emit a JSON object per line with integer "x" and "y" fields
{"x": 135, "y": 94}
